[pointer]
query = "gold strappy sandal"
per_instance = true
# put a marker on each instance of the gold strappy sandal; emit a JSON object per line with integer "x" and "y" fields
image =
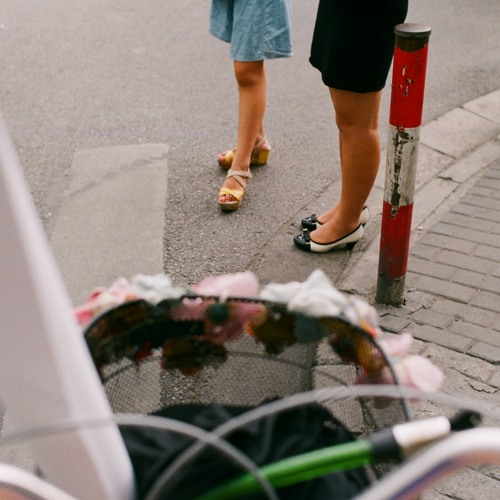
{"x": 237, "y": 194}
{"x": 260, "y": 154}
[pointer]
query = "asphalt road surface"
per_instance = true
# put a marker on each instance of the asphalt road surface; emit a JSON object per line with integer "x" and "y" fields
{"x": 83, "y": 75}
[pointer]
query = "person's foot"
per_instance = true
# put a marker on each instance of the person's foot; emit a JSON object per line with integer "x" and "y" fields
{"x": 332, "y": 230}
{"x": 325, "y": 217}
{"x": 313, "y": 222}
{"x": 232, "y": 191}
{"x": 260, "y": 154}
{"x": 306, "y": 242}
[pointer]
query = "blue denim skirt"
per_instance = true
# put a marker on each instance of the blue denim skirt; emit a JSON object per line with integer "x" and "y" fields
{"x": 256, "y": 29}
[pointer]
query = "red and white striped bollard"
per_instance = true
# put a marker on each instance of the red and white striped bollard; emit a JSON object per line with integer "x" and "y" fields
{"x": 408, "y": 83}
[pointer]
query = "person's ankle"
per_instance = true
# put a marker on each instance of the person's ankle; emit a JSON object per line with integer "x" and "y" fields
{"x": 236, "y": 166}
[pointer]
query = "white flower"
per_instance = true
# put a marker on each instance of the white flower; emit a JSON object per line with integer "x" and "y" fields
{"x": 315, "y": 297}
{"x": 156, "y": 288}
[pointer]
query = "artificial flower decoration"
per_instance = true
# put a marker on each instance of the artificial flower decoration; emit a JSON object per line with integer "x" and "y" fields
{"x": 315, "y": 297}
{"x": 276, "y": 331}
{"x": 189, "y": 356}
{"x": 189, "y": 325}
{"x": 243, "y": 284}
{"x": 102, "y": 299}
{"x": 411, "y": 371}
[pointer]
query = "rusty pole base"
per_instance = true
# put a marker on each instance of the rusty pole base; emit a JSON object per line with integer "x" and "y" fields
{"x": 390, "y": 291}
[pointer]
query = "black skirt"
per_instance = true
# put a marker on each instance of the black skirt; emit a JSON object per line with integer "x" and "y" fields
{"x": 353, "y": 42}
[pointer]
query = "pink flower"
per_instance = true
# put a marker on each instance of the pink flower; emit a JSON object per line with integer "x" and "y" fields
{"x": 243, "y": 284}
{"x": 102, "y": 299}
{"x": 411, "y": 371}
{"x": 420, "y": 373}
{"x": 397, "y": 345}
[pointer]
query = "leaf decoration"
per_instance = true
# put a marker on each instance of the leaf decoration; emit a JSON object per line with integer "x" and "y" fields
{"x": 190, "y": 355}
{"x": 192, "y": 331}
{"x": 308, "y": 329}
{"x": 230, "y": 320}
{"x": 277, "y": 331}
{"x": 353, "y": 345}
{"x": 118, "y": 320}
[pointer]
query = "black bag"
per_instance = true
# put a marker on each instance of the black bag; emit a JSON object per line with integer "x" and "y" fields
{"x": 265, "y": 441}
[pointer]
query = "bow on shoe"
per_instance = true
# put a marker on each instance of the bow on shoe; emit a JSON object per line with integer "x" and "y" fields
{"x": 306, "y": 235}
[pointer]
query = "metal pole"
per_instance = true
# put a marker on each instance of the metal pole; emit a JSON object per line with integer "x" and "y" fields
{"x": 408, "y": 82}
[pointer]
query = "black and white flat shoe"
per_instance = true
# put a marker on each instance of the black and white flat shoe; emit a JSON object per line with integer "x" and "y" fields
{"x": 306, "y": 243}
{"x": 312, "y": 222}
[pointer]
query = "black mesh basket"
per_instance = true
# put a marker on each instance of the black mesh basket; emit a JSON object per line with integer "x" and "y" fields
{"x": 197, "y": 351}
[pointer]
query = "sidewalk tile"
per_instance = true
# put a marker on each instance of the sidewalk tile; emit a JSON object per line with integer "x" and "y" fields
{"x": 429, "y": 198}
{"x": 487, "y": 300}
{"x": 470, "y": 313}
{"x": 487, "y": 214}
{"x": 487, "y": 105}
{"x": 470, "y": 367}
{"x": 441, "y": 337}
{"x": 442, "y": 241}
{"x": 443, "y": 228}
{"x": 485, "y": 252}
{"x": 470, "y": 222}
{"x": 468, "y": 480}
{"x": 466, "y": 167}
{"x": 479, "y": 201}
{"x": 393, "y": 324}
{"x": 485, "y": 191}
{"x": 478, "y": 237}
{"x": 424, "y": 251}
{"x": 464, "y": 209}
{"x": 496, "y": 272}
{"x": 476, "y": 332}
{"x": 489, "y": 182}
{"x": 495, "y": 379}
{"x": 445, "y": 289}
{"x": 432, "y": 318}
{"x": 476, "y": 280}
{"x": 486, "y": 352}
{"x": 430, "y": 268}
{"x": 493, "y": 173}
{"x": 470, "y": 263}
{"x": 430, "y": 164}
{"x": 470, "y": 130}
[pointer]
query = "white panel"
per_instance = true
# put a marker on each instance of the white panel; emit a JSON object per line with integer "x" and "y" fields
{"x": 401, "y": 165}
{"x": 46, "y": 373}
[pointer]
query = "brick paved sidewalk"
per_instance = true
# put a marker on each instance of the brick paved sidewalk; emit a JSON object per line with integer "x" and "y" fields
{"x": 453, "y": 310}
{"x": 453, "y": 279}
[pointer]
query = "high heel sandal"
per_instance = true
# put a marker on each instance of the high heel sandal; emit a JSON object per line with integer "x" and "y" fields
{"x": 306, "y": 243}
{"x": 259, "y": 156}
{"x": 237, "y": 194}
{"x": 313, "y": 223}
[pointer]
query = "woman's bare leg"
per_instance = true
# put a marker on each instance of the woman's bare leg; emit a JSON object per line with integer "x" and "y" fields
{"x": 251, "y": 80}
{"x": 356, "y": 116}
